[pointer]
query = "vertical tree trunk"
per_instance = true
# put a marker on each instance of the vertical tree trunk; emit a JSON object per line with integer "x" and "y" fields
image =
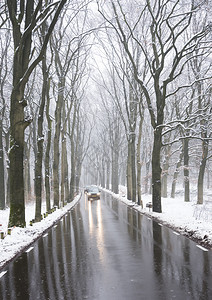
{"x": 47, "y": 154}
{"x": 103, "y": 173}
{"x": 146, "y": 190}
{"x": 7, "y": 141}
{"x": 73, "y": 169}
{"x": 133, "y": 161}
{"x": 108, "y": 175}
{"x": 165, "y": 169}
{"x": 64, "y": 172}
{"x": 115, "y": 177}
{"x": 176, "y": 172}
{"x": 2, "y": 173}
{"x": 64, "y": 162}
{"x": 156, "y": 172}
{"x": 66, "y": 186}
{"x": 116, "y": 170}
{"x": 186, "y": 170}
{"x": 129, "y": 173}
{"x": 56, "y": 159}
{"x": 202, "y": 172}
{"x": 18, "y": 123}
{"x": 27, "y": 179}
{"x": 205, "y": 141}
{"x": 112, "y": 168}
{"x": 73, "y": 156}
{"x": 131, "y": 169}
{"x": 40, "y": 140}
{"x": 78, "y": 176}
{"x": 16, "y": 154}
{"x": 139, "y": 162}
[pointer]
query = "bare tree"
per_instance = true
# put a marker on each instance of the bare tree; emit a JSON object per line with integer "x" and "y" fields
{"x": 25, "y": 18}
{"x": 4, "y": 74}
{"x": 166, "y": 55}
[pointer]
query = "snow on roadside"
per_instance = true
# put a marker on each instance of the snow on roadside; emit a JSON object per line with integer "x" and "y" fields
{"x": 21, "y": 238}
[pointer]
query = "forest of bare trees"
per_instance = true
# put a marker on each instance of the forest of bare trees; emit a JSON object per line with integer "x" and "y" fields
{"x": 104, "y": 92}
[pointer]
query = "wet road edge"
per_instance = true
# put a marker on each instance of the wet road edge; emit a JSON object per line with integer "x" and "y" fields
{"x": 22, "y": 250}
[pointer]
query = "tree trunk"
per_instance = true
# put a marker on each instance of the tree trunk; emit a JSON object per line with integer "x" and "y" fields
{"x": 18, "y": 123}
{"x": 78, "y": 175}
{"x": 103, "y": 173}
{"x": 115, "y": 177}
{"x": 133, "y": 161}
{"x": 131, "y": 169}
{"x": 56, "y": 160}
{"x": 73, "y": 168}
{"x": 186, "y": 170}
{"x": 2, "y": 173}
{"x": 64, "y": 162}
{"x": 73, "y": 156}
{"x": 176, "y": 172}
{"x": 7, "y": 141}
{"x": 40, "y": 139}
{"x": 27, "y": 179}
{"x": 202, "y": 172}
{"x": 25, "y": 19}
{"x": 146, "y": 190}
{"x": 47, "y": 155}
{"x": 108, "y": 175}
{"x": 129, "y": 173}
{"x": 205, "y": 141}
{"x": 139, "y": 162}
{"x": 16, "y": 154}
{"x": 64, "y": 173}
{"x": 156, "y": 172}
{"x": 165, "y": 169}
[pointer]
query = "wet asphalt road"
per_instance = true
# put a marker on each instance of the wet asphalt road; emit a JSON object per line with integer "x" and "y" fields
{"x": 105, "y": 250}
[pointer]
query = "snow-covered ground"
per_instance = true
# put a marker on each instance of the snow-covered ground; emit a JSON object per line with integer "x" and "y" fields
{"x": 190, "y": 219}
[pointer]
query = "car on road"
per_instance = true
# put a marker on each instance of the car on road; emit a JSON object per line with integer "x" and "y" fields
{"x": 93, "y": 192}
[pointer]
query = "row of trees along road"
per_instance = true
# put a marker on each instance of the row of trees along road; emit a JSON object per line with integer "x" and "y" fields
{"x": 106, "y": 89}
{"x": 167, "y": 47}
{"x": 48, "y": 80}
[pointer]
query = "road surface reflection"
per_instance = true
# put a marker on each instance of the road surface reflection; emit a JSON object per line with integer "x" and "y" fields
{"x": 105, "y": 250}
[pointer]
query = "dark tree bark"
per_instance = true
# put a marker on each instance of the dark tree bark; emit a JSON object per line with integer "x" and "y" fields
{"x": 64, "y": 162}
{"x": 202, "y": 172}
{"x": 186, "y": 170}
{"x": 40, "y": 140}
{"x": 157, "y": 56}
{"x": 57, "y": 135}
{"x": 139, "y": 164}
{"x": 73, "y": 156}
{"x": 5, "y": 43}
{"x": 47, "y": 154}
{"x": 176, "y": 172}
{"x": 115, "y": 158}
{"x": 2, "y": 170}
{"x": 19, "y": 13}
{"x": 156, "y": 171}
{"x": 165, "y": 170}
